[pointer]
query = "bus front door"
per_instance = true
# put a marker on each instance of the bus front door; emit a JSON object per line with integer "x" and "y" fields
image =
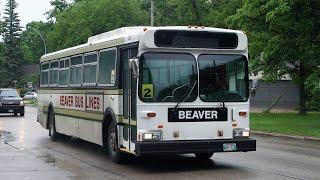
{"x": 129, "y": 125}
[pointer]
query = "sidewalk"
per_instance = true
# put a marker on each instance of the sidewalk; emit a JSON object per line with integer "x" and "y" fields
{"x": 285, "y": 135}
{"x": 19, "y": 164}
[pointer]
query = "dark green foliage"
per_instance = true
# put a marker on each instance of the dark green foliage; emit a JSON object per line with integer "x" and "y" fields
{"x": 284, "y": 38}
{"x": 84, "y": 18}
{"x": 87, "y": 18}
{"x": 212, "y": 13}
{"x": 220, "y": 12}
{"x": 12, "y": 59}
{"x": 313, "y": 91}
{"x": 58, "y": 7}
{"x": 180, "y": 12}
{"x": 34, "y": 78}
{"x": 2, "y": 68}
{"x": 22, "y": 91}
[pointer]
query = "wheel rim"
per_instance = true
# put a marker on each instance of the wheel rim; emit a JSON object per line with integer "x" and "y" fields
{"x": 113, "y": 141}
{"x": 51, "y": 131}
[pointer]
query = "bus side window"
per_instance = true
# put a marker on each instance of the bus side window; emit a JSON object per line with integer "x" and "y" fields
{"x": 64, "y": 72}
{"x": 107, "y": 67}
{"x": 76, "y": 70}
{"x": 90, "y": 69}
{"x": 53, "y": 73}
{"x": 44, "y": 74}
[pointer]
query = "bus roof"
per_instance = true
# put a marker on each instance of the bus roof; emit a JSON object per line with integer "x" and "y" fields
{"x": 121, "y": 36}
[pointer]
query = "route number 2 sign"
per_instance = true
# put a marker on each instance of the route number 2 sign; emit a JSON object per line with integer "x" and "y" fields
{"x": 147, "y": 91}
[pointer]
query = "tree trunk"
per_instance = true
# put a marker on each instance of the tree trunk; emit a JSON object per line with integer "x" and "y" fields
{"x": 302, "y": 94}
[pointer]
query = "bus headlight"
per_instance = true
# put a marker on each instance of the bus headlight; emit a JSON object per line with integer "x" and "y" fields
{"x": 241, "y": 132}
{"x": 151, "y": 135}
{"x": 21, "y": 103}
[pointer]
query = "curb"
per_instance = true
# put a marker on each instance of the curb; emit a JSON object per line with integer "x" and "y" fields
{"x": 285, "y": 135}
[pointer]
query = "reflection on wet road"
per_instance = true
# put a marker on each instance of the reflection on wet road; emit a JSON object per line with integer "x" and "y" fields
{"x": 32, "y": 155}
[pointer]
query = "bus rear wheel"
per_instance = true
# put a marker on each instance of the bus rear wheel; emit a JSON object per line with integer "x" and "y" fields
{"x": 113, "y": 147}
{"x": 204, "y": 156}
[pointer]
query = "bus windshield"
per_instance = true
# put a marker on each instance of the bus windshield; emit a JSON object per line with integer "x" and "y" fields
{"x": 223, "y": 78}
{"x": 168, "y": 77}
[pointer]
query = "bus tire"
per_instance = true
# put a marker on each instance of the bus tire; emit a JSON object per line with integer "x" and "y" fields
{"x": 114, "y": 152}
{"x": 52, "y": 126}
{"x": 204, "y": 156}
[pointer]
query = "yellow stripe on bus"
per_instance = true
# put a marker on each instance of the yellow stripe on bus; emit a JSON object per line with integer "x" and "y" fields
{"x": 126, "y": 121}
{"x": 127, "y": 151}
{"x": 95, "y": 116}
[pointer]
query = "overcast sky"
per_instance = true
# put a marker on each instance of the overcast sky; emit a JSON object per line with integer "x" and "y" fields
{"x": 30, "y": 10}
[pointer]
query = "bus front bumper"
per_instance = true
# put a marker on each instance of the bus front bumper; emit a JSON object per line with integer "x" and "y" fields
{"x": 194, "y": 146}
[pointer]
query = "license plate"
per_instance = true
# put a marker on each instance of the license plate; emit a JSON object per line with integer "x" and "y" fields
{"x": 229, "y": 147}
{"x": 10, "y": 110}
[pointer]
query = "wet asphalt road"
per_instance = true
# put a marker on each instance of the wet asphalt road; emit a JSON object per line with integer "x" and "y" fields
{"x": 33, "y": 156}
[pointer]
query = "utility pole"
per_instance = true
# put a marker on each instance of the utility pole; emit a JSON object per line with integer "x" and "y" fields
{"x": 152, "y": 12}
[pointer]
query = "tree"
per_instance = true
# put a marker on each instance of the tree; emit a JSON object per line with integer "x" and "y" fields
{"x": 12, "y": 53}
{"x": 58, "y": 7}
{"x": 179, "y": 12}
{"x": 313, "y": 91}
{"x": 213, "y": 13}
{"x": 31, "y": 43}
{"x": 220, "y": 11}
{"x": 2, "y": 67}
{"x": 284, "y": 38}
{"x": 91, "y": 17}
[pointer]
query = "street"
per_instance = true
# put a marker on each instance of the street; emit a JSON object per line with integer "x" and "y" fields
{"x": 31, "y": 155}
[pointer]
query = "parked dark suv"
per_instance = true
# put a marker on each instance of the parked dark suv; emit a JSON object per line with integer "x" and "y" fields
{"x": 11, "y": 102}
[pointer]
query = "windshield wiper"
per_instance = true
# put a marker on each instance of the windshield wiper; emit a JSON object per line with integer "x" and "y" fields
{"x": 185, "y": 98}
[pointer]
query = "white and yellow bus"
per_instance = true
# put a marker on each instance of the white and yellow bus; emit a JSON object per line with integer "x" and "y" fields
{"x": 151, "y": 90}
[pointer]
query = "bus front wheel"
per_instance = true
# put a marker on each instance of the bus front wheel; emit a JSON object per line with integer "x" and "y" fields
{"x": 113, "y": 146}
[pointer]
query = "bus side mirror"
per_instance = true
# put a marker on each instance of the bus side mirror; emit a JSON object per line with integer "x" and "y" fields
{"x": 134, "y": 65}
{"x": 254, "y": 87}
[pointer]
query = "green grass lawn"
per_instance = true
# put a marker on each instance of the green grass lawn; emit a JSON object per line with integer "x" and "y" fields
{"x": 31, "y": 101}
{"x": 286, "y": 123}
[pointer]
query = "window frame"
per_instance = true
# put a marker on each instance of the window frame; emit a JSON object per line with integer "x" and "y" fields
{"x": 162, "y": 52}
{"x": 115, "y": 67}
{"x": 90, "y": 64}
{"x": 46, "y": 70}
{"x": 246, "y": 69}
{"x": 77, "y": 65}
{"x": 54, "y": 69}
{"x": 64, "y": 68}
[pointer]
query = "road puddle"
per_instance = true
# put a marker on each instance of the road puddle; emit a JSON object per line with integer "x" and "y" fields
{"x": 7, "y": 137}
{"x": 47, "y": 158}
